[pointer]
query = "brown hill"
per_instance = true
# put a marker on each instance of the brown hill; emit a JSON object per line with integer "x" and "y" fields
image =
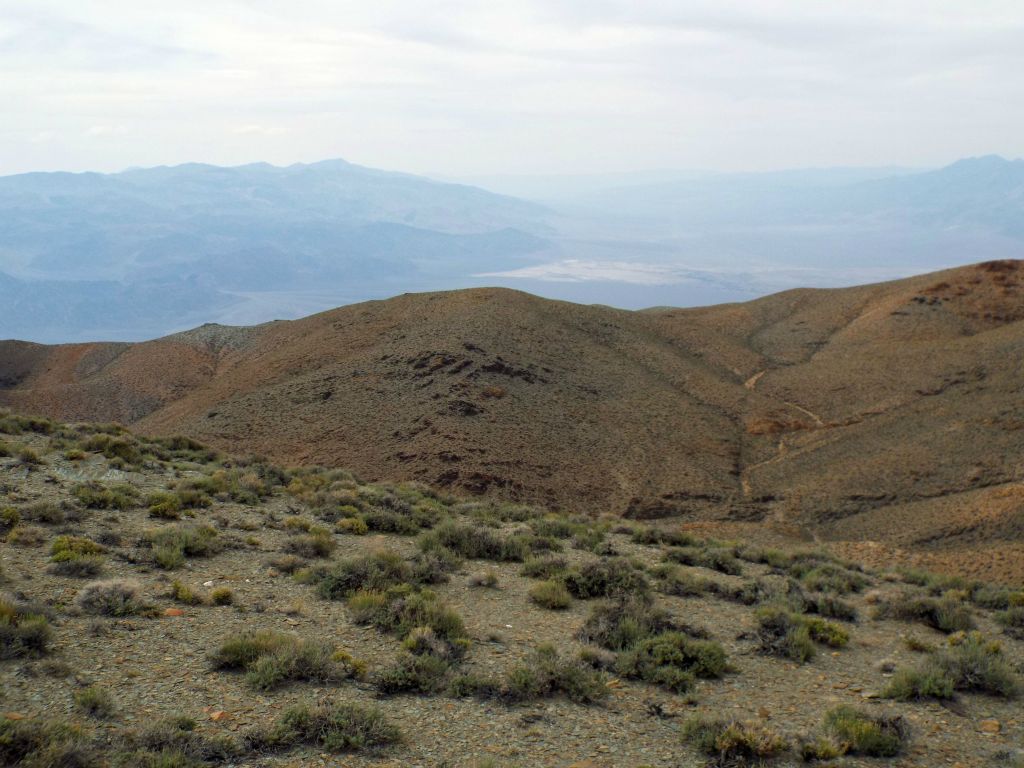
{"x": 888, "y": 413}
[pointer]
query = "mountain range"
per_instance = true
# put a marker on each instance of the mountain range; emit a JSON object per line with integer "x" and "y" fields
{"x": 885, "y": 418}
{"x": 146, "y": 252}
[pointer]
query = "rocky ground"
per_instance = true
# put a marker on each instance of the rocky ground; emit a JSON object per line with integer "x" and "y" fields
{"x": 156, "y": 663}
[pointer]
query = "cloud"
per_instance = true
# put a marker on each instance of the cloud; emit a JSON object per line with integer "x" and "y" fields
{"x": 527, "y": 86}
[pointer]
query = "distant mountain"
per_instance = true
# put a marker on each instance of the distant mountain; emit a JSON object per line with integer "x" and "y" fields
{"x": 195, "y": 233}
{"x": 146, "y": 252}
{"x": 880, "y": 418}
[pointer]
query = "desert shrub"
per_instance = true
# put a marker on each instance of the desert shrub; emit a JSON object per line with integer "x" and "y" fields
{"x": 46, "y": 512}
{"x": 333, "y": 727}
{"x": 352, "y": 526}
{"x": 672, "y": 660}
{"x": 655, "y": 536}
{"x": 970, "y": 663}
{"x": 76, "y": 556}
{"x": 543, "y": 567}
{"x": 549, "y": 674}
{"x": 23, "y": 631}
{"x": 832, "y": 607}
{"x": 222, "y": 596}
{"x": 669, "y": 579}
{"x": 715, "y": 558}
{"x": 476, "y": 543}
{"x": 182, "y": 593}
{"x": 373, "y": 572}
{"x": 9, "y": 518}
{"x": 174, "y": 742}
{"x": 551, "y": 594}
{"x": 774, "y": 558}
{"x": 317, "y": 543}
{"x": 25, "y": 536}
{"x": 732, "y": 742}
{"x": 826, "y": 633}
{"x": 286, "y": 563}
{"x": 95, "y": 701}
{"x": 782, "y": 633}
{"x": 859, "y": 733}
{"x": 116, "y": 597}
{"x": 43, "y": 743}
{"x": 433, "y": 567}
{"x": 605, "y": 578}
{"x": 13, "y": 424}
{"x": 946, "y": 614}
{"x": 402, "y": 609}
{"x": 619, "y": 624}
{"x": 125, "y": 448}
{"x": 95, "y": 495}
{"x": 1012, "y": 620}
{"x": 270, "y": 659}
{"x": 834, "y": 579}
{"x": 29, "y": 457}
{"x": 469, "y": 684}
{"x": 173, "y": 543}
{"x": 163, "y": 505}
{"x": 414, "y": 673}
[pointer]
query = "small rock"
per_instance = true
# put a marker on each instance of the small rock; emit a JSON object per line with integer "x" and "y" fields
{"x": 763, "y": 713}
{"x": 219, "y": 715}
{"x": 13, "y": 716}
{"x": 173, "y": 612}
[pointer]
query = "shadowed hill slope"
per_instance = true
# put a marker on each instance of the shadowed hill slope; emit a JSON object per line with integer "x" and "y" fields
{"x": 889, "y": 412}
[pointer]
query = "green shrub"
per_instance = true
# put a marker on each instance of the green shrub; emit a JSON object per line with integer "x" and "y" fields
{"x": 95, "y": 702}
{"x": 23, "y": 632}
{"x": 182, "y": 593}
{"x": 413, "y": 673}
{"x": 333, "y": 727}
{"x": 785, "y": 634}
{"x": 164, "y": 505}
{"x": 863, "y": 734}
{"x": 732, "y": 742}
{"x": 970, "y": 663}
{"x": 605, "y": 578}
{"x": 714, "y": 558}
{"x": 544, "y": 567}
{"x": 317, "y": 543}
{"x": 827, "y": 633}
{"x": 174, "y": 742}
{"x": 95, "y": 495}
{"x": 1012, "y": 620}
{"x": 476, "y": 543}
{"x": 173, "y": 543}
{"x": 270, "y": 659}
{"x": 401, "y": 610}
{"x": 29, "y": 457}
{"x": 670, "y": 579}
{"x": 44, "y": 743}
{"x": 619, "y": 624}
{"x": 548, "y": 674}
{"x": 551, "y": 594}
{"x": 833, "y": 578}
{"x": 222, "y": 596}
{"x": 946, "y": 614}
{"x": 655, "y": 536}
{"x": 374, "y": 572}
{"x": 672, "y": 660}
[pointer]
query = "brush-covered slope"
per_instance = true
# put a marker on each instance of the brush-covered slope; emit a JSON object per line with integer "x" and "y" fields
{"x": 815, "y": 410}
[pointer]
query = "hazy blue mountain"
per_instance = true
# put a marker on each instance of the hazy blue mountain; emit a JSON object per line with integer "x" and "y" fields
{"x": 150, "y": 251}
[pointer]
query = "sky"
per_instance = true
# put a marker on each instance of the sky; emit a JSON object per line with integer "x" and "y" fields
{"x": 453, "y": 88}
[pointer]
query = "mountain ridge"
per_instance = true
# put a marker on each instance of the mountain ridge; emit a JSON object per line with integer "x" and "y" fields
{"x": 809, "y": 410}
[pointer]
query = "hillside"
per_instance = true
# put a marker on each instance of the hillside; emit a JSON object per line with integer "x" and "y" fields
{"x": 885, "y": 420}
{"x": 162, "y": 604}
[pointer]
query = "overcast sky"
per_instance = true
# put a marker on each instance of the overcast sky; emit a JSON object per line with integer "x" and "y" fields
{"x": 522, "y": 86}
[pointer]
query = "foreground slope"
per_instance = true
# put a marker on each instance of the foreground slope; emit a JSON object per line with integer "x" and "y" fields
{"x": 887, "y": 413}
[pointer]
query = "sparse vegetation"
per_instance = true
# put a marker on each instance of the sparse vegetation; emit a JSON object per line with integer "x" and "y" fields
{"x": 116, "y": 597}
{"x": 672, "y": 660}
{"x": 969, "y": 663}
{"x": 946, "y": 614}
{"x": 76, "y": 556}
{"x": 733, "y": 742}
{"x": 98, "y": 496}
{"x": 270, "y": 659}
{"x": 24, "y": 632}
{"x": 551, "y": 595}
{"x": 549, "y": 674}
{"x": 859, "y": 733}
{"x": 333, "y": 727}
{"x": 95, "y": 702}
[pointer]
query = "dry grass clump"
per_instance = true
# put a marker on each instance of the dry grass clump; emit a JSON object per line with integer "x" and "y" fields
{"x": 672, "y": 660}
{"x": 115, "y": 597}
{"x": 858, "y": 733}
{"x": 316, "y": 542}
{"x": 330, "y": 726}
{"x": 780, "y": 632}
{"x": 733, "y": 742}
{"x": 24, "y": 632}
{"x": 95, "y": 702}
{"x": 94, "y": 495}
{"x": 373, "y": 572}
{"x": 608, "y": 577}
{"x": 551, "y": 595}
{"x": 76, "y": 556}
{"x": 270, "y": 659}
{"x": 174, "y": 742}
{"x": 718, "y": 559}
{"x": 173, "y": 543}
